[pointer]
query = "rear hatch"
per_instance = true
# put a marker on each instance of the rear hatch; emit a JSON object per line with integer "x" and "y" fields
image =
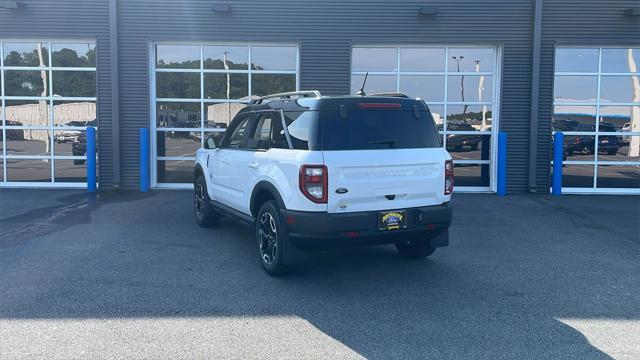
{"x": 382, "y": 157}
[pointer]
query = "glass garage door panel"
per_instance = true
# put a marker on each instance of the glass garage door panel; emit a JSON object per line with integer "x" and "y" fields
{"x": 597, "y": 107}
{"x": 198, "y": 90}
{"x": 459, "y": 86}
{"x": 48, "y": 100}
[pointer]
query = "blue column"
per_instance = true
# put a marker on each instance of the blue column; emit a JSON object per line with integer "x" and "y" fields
{"x": 502, "y": 163}
{"x": 91, "y": 160}
{"x": 558, "y": 154}
{"x": 144, "y": 160}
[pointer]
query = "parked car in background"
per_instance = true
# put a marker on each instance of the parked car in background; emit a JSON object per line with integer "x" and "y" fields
{"x": 462, "y": 142}
{"x": 585, "y": 144}
{"x": 626, "y": 139}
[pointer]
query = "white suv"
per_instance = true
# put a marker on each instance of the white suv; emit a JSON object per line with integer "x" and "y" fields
{"x": 312, "y": 172}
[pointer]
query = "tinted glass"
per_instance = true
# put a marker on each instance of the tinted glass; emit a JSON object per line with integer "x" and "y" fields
{"x": 29, "y": 170}
{"x": 437, "y": 113}
{"x": 177, "y": 115}
{"x": 26, "y": 54}
{"x": 576, "y": 60}
{"x": 73, "y": 55}
{"x": 178, "y": 85}
{"x": 281, "y": 58}
{"x": 470, "y": 60}
{"x": 422, "y": 59}
{"x": 621, "y": 117}
{"x": 27, "y": 113}
{"x": 30, "y": 142}
{"x": 226, "y": 86}
{"x": 74, "y": 83}
{"x": 470, "y": 88}
{"x": 469, "y": 117}
{"x": 70, "y": 171}
{"x": 171, "y": 171}
{"x": 235, "y": 138}
{"x": 374, "y": 59}
{"x": 69, "y": 142}
{"x": 620, "y": 148}
{"x": 26, "y": 83}
{"x": 580, "y": 147}
{"x": 619, "y": 89}
{"x": 621, "y": 60}
{"x": 375, "y": 84}
{"x": 429, "y": 88}
{"x": 178, "y": 143}
{"x": 226, "y": 57}
{"x": 178, "y": 56}
{"x": 577, "y": 176}
{"x": 377, "y": 129}
{"x": 472, "y": 175}
{"x": 265, "y": 84}
{"x": 74, "y": 113}
{"x": 220, "y": 114}
{"x": 568, "y": 118}
{"x": 575, "y": 88}
{"x": 613, "y": 176}
{"x": 469, "y": 147}
{"x": 301, "y": 126}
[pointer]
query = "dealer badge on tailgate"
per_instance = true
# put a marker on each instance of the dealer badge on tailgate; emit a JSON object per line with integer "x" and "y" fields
{"x": 392, "y": 220}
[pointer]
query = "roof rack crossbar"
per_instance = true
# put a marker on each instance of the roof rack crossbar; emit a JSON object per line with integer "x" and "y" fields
{"x": 287, "y": 95}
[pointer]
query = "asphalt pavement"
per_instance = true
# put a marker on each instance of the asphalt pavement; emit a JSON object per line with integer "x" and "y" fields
{"x": 130, "y": 275}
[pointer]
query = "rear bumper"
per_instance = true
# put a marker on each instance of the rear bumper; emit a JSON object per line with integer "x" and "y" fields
{"x": 317, "y": 230}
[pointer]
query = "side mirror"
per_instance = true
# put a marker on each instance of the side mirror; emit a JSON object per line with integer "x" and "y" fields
{"x": 211, "y": 142}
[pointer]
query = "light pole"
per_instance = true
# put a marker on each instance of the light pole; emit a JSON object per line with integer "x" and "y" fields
{"x": 458, "y": 59}
{"x": 483, "y": 126}
{"x": 226, "y": 67}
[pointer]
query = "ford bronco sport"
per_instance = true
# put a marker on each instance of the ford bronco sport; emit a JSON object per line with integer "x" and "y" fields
{"x": 312, "y": 172}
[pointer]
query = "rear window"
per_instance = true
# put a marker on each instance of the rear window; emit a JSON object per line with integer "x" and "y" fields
{"x": 377, "y": 129}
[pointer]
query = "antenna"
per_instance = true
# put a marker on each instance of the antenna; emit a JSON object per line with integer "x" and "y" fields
{"x": 361, "y": 91}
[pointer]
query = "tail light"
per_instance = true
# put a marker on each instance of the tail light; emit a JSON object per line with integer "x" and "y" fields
{"x": 313, "y": 183}
{"x": 448, "y": 177}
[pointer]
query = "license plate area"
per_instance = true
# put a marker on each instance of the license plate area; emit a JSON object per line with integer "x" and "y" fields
{"x": 392, "y": 220}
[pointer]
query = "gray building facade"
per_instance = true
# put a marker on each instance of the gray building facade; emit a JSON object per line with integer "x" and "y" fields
{"x": 182, "y": 68}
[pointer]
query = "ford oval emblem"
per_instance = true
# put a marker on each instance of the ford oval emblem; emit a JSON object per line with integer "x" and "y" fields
{"x": 341, "y": 191}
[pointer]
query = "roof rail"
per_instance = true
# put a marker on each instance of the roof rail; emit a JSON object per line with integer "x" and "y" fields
{"x": 287, "y": 95}
{"x": 391, "y": 94}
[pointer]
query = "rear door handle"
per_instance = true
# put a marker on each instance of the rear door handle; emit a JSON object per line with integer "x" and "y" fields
{"x": 253, "y": 165}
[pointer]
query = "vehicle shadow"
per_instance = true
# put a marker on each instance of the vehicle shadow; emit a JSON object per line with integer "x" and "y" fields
{"x": 497, "y": 292}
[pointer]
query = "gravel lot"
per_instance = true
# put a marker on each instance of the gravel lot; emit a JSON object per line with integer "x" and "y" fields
{"x": 130, "y": 275}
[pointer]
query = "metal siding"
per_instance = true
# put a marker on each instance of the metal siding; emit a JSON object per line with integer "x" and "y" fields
{"x": 325, "y": 30}
{"x": 576, "y": 22}
{"x": 68, "y": 20}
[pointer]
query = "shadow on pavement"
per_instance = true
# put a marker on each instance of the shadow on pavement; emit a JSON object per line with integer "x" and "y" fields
{"x": 516, "y": 266}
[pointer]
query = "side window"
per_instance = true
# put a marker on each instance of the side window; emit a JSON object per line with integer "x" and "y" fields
{"x": 234, "y": 141}
{"x": 268, "y": 133}
{"x": 299, "y": 124}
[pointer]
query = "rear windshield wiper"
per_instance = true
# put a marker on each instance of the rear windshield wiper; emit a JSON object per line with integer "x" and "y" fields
{"x": 391, "y": 142}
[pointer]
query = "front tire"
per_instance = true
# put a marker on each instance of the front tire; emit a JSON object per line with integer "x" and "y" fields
{"x": 415, "y": 248}
{"x": 270, "y": 237}
{"x": 206, "y": 215}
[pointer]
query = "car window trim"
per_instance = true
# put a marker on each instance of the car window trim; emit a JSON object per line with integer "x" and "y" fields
{"x": 232, "y": 129}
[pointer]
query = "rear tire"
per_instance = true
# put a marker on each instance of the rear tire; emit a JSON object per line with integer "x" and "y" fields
{"x": 206, "y": 215}
{"x": 415, "y": 248}
{"x": 271, "y": 236}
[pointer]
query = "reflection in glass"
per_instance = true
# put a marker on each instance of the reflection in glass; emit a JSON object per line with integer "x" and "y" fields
{"x": 428, "y": 88}
{"x": 73, "y": 55}
{"x": 177, "y": 115}
{"x": 69, "y": 143}
{"x": 620, "y": 89}
{"x": 26, "y": 54}
{"x": 74, "y": 113}
{"x": 472, "y": 174}
{"x": 463, "y": 88}
{"x": 220, "y": 115}
{"x": 226, "y": 86}
{"x": 621, "y": 60}
{"x": 568, "y": 117}
{"x": 74, "y": 83}
{"x": 30, "y": 142}
{"x": 576, "y": 60}
{"x": 180, "y": 171}
{"x": 577, "y": 176}
{"x": 70, "y": 171}
{"x": 374, "y": 59}
{"x": 178, "y": 56}
{"x": 265, "y": 84}
{"x": 469, "y": 117}
{"x": 28, "y": 170}
{"x": 575, "y": 88}
{"x": 614, "y": 176}
{"x": 26, "y": 83}
{"x": 437, "y": 112}
{"x": 178, "y": 85}
{"x": 579, "y": 147}
{"x": 27, "y": 112}
{"x": 470, "y": 60}
{"x": 375, "y": 84}
{"x": 621, "y": 117}
{"x": 1, "y": 165}
{"x": 623, "y": 148}
{"x": 422, "y": 59}
{"x": 223, "y": 57}
{"x": 469, "y": 147}
{"x": 178, "y": 143}
{"x": 279, "y": 58}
